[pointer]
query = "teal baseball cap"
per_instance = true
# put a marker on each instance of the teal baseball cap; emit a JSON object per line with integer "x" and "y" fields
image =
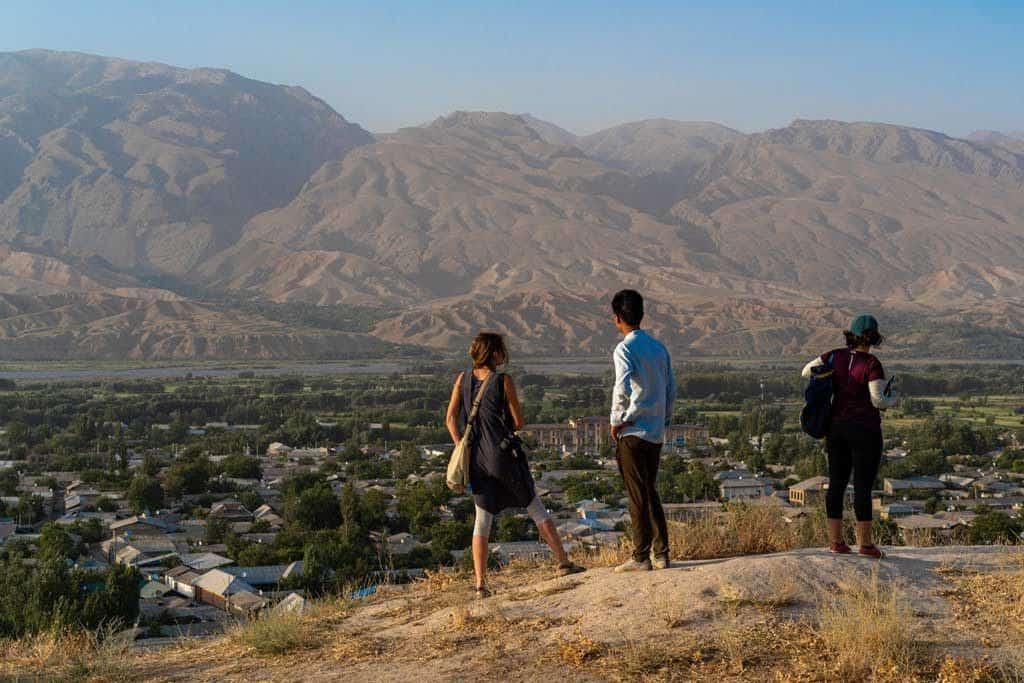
{"x": 864, "y": 323}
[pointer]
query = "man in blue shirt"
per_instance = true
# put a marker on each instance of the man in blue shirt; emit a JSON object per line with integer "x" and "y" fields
{"x": 642, "y": 401}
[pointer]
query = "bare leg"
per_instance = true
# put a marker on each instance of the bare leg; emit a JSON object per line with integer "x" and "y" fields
{"x": 863, "y": 530}
{"x": 549, "y": 533}
{"x": 835, "y": 530}
{"x": 480, "y": 560}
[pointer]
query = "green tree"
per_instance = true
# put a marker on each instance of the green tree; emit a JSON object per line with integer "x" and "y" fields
{"x": 55, "y": 542}
{"x": 188, "y": 476}
{"x": 105, "y": 504}
{"x": 9, "y": 482}
{"x": 373, "y": 509}
{"x": 994, "y": 527}
{"x": 216, "y": 530}
{"x": 314, "y": 509}
{"x": 408, "y": 461}
{"x": 514, "y": 528}
{"x": 145, "y": 494}
{"x": 242, "y": 467}
{"x": 330, "y": 562}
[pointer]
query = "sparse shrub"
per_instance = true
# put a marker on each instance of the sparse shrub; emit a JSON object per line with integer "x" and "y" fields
{"x": 867, "y": 628}
{"x": 277, "y": 633}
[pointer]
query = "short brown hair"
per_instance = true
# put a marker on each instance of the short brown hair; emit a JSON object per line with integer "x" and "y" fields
{"x": 486, "y": 349}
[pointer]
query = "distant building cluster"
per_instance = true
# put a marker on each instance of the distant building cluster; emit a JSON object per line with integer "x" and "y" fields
{"x": 590, "y": 436}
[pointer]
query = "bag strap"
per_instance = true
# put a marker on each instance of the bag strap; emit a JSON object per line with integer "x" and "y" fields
{"x": 476, "y": 401}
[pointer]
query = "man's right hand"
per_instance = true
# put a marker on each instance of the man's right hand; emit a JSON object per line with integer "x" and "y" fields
{"x": 617, "y": 429}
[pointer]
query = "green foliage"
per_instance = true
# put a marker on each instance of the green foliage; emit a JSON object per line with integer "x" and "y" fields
{"x": 408, "y": 461}
{"x": 314, "y": 509}
{"x": 56, "y": 543}
{"x": 680, "y": 481}
{"x": 417, "y": 504}
{"x": 188, "y": 476}
{"x": 52, "y": 596}
{"x": 330, "y": 561}
{"x": 242, "y": 467}
{"x": 514, "y": 528}
{"x": 256, "y": 554}
{"x": 949, "y": 437}
{"x": 582, "y": 487}
{"x": 8, "y": 482}
{"x": 105, "y": 504}
{"x": 145, "y": 494}
{"x": 994, "y": 527}
{"x": 216, "y": 530}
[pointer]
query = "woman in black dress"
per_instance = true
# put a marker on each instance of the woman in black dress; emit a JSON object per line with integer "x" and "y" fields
{"x": 499, "y": 475}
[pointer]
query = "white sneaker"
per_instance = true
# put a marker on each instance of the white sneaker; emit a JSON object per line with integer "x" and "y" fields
{"x": 632, "y": 565}
{"x": 660, "y": 563}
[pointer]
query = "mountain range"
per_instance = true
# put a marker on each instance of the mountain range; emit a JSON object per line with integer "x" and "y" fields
{"x": 148, "y": 212}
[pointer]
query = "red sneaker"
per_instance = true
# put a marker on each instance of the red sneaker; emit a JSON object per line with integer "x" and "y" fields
{"x": 840, "y": 548}
{"x": 871, "y": 551}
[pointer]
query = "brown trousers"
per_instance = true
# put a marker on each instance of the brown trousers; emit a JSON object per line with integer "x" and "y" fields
{"x": 638, "y": 464}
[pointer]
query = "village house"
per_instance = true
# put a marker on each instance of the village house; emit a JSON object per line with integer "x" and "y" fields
{"x": 145, "y": 525}
{"x": 744, "y": 489}
{"x": 912, "y": 484}
{"x": 686, "y": 437}
{"x": 266, "y": 513}
{"x": 202, "y": 562}
{"x": 683, "y": 512}
{"x": 898, "y": 510}
{"x": 182, "y": 580}
{"x": 809, "y": 491}
{"x": 230, "y": 510}
{"x": 722, "y": 475}
{"x": 591, "y": 509}
{"x": 402, "y": 543}
{"x": 812, "y": 492}
{"x": 925, "y": 526}
{"x": 590, "y": 435}
{"x": 216, "y": 587}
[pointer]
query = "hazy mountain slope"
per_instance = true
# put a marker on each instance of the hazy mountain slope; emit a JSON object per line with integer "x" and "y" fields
{"x": 658, "y": 145}
{"x": 1012, "y": 140}
{"x": 149, "y": 166}
{"x": 863, "y": 209}
{"x": 82, "y": 326}
{"x": 149, "y": 211}
{"x": 549, "y": 132}
{"x": 475, "y": 204}
{"x": 476, "y": 221}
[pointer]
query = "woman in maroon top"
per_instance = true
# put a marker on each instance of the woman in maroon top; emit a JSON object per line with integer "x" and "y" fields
{"x": 854, "y": 440}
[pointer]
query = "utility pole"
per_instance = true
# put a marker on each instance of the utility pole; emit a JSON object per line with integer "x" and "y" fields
{"x": 762, "y": 421}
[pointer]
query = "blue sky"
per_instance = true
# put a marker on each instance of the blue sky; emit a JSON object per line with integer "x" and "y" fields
{"x": 953, "y": 67}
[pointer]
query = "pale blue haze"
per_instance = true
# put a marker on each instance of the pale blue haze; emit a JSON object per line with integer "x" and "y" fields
{"x": 948, "y": 66}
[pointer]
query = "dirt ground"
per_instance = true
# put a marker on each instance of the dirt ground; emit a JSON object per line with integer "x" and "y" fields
{"x": 745, "y": 618}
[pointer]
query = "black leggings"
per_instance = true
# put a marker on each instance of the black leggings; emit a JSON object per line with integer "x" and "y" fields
{"x": 852, "y": 447}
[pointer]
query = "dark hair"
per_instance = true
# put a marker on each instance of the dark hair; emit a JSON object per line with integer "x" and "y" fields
{"x": 486, "y": 349}
{"x": 868, "y": 338}
{"x": 629, "y": 306}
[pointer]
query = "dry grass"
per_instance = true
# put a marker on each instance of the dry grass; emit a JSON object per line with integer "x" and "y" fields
{"x": 67, "y": 655}
{"x": 579, "y": 650}
{"x": 869, "y": 629}
{"x": 742, "y": 529}
{"x": 990, "y": 605}
{"x": 275, "y": 633}
{"x": 776, "y": 591}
